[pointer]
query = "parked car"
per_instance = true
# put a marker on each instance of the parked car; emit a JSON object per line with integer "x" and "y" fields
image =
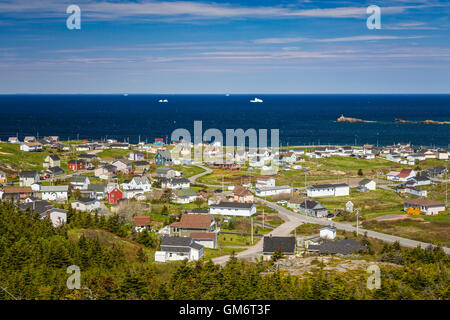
{"x": 330, "y": 215}
{"x": 218, "y": 191}
{"x": 282, "y": 202}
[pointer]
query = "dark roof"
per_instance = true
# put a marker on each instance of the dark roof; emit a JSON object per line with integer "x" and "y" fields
{"x": 141, "y": 163}
{"x": 176, "y": 241}
{"x": 78, "y": 179}
{"x": 175, "y": 249}
{"x": 327, "y": 186}
{"x": 85, "y": 200}
{"x": 55, "y": 170}
{"x": 28, "y": 174}
{"x": 37, "y": 206}
{"x": 87, "y": 156}
{"x": 175, "y": 180}
{"x": 310, "y": 204}
{"x": 237, "y": 205}
{"x": 271, "y": 244}
{"x": 345, "y": 246}
{"x": 54, "y": 157}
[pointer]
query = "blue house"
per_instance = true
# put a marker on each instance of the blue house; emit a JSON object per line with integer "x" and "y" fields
{"x": 163, "y": 157}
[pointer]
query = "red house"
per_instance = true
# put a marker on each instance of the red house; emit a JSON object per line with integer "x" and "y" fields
{"x": 76, "y": 165}
{"x": 114, "y": 196}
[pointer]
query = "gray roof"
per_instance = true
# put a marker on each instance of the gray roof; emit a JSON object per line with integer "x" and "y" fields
{"x": 162, "y": 170}
{"x": 54, "y": 157}
{"x": 37, "y": 206}
{"x": 28, "y": 174}
{"x": 327, "y": 186}
{"x": 54, "y": 188}
{"x": 237, "y": 205}
{"x": 346, "y": 246}
{"x": 97, "y": 187}
{"x": 272, "y": 244}
{"x": 85, "y": 200}
{"x": 363, "y": 182}
{"x": 78, "y": 179}
{"x": 179, "y": 244}
{"x": 165, "y": 154}
{"x": 55, "y": 170}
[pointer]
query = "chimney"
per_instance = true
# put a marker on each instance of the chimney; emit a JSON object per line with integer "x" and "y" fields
{"x": 270, "y": 235}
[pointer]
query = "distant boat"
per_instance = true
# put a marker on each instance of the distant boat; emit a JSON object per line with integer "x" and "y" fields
{"x": 163, "y": 100}
{"x": 125, "y": 94}
{"x": 227, "y": 94}
{"x": 256, "y": 100}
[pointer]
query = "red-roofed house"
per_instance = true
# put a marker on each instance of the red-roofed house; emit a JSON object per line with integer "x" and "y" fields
{"x": 405, "y": 174}
{"x": 141, "y": 223}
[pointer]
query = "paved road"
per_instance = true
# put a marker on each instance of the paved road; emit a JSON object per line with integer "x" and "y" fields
{"x": 207, "y": 171}
{"x": 291, "y": 222}
{"x": 348, "y": 227}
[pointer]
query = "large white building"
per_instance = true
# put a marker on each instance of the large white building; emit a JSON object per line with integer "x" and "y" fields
{"x": 233, "y": 209}
{"x": 54, "y": 193}
{"x": 328, "y": 190}
{"x": 272, "y": 191}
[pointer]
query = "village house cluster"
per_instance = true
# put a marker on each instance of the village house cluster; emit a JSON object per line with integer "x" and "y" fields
{"x": 74, "y": 174}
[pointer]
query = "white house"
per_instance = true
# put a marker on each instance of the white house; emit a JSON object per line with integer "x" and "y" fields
{"x": 233, "y": 209}
{"x": 132, "y": 193}
{"x": 328, "y": 190}
{"x": 262, "y": 182}
{"x": 416, "y": 191}
{"x": 426, "y": 206}
{"x": 178, "y": 248}
{"x": 175, "y": 183}
{"x": 328, "y": 232}
{"x": 54, "y": 193}
{"x": 272, "y": 191}
{"x": 368, "y": 184}
{"x": 349, "y": 206}
{"x": 31, "y": 146}
{"x": 185, "y": 196}
{"x": 86, "y": 204}
{"x": 56, "y": 216}
{"x": 27, "y": 178}
{"x": 80, "y": 182}
{"x": 141, "y": 183}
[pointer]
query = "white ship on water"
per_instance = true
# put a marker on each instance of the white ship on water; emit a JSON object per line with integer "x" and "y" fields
{"x": 256, "y": 100}
{"x": 163, "y": 100}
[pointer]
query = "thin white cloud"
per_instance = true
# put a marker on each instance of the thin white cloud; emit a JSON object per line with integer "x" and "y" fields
{"x": 367, "y": 38}
{"x": 103, "y": 10}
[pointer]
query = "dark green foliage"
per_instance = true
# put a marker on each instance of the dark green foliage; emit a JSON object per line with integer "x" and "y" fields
{"x": 34, "y": 258}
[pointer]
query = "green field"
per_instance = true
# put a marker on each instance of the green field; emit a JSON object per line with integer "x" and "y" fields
{"x": 435, "y": 232}
{"x": 113, "y": 153}
{"x": 20, "y": 160}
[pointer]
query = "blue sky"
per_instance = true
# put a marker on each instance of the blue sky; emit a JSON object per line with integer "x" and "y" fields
{"x": 265, "y": 46}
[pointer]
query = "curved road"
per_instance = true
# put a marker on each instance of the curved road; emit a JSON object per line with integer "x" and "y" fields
{"x": 293, "y": 220}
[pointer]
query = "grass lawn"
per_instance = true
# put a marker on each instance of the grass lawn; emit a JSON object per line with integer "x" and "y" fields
{"x": 371, "y": 204}
{"x": 113, "y": 153}
{"x": 188, "y": 171}
{"x": 353, "y": 164}
{"x": 235, "y": 240}
{"x": 20, "y": 160}
{"x": 214, "y": 253}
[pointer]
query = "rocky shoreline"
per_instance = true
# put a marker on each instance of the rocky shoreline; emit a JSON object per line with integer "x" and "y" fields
{"x": 346, "y": 119}
{"x": 422, "y": 122}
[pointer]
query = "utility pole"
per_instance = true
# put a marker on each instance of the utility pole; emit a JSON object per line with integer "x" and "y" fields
{"x": 251, "y": 222}
{"x": 357, "y": 224}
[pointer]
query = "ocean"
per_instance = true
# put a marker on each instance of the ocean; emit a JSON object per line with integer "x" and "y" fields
{"x": 301, "y": 119}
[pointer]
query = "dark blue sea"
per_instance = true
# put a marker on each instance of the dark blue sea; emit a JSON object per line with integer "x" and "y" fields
{"x": 301, "y": 119}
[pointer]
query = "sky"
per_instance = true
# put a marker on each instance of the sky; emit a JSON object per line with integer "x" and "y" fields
{"x": 224, "y": 46}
